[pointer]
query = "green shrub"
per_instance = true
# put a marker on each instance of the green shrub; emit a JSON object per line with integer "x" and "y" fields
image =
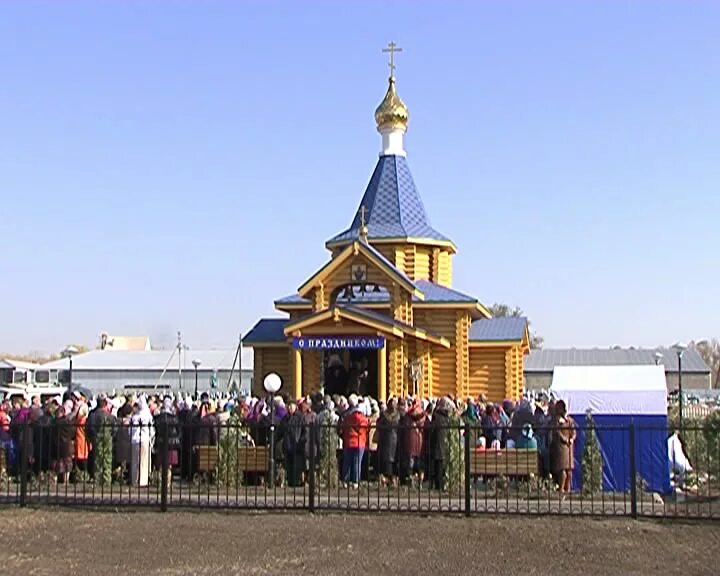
{"x": 592, "y": 463}
{"x": 328, "y": 473}
{"x": 232, "y": 437}
{"x": 455, "y": 471}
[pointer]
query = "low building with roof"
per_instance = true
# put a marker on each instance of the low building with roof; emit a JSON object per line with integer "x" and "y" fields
{"x": 17, "y": 371}
{"x": 148, "y": 370}
{"x": 540, "y": 364}
{"x": 383, "y": 312}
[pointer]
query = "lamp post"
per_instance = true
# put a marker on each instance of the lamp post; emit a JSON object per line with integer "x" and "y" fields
{"x": 680, "y": 348}
{"x": 272, "y": 384}
{"x": 68, "y": 353}
{"x": 196, "y": 363}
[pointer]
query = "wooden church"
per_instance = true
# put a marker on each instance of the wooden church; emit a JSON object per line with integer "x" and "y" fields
{"x": 381, "y": 317}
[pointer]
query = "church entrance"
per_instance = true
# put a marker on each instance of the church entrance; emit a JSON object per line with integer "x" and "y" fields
{"x": 351, "y": 372}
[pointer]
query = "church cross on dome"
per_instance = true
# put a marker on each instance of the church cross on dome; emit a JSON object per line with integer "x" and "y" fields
{"x": 363, "y": 234}
{"x": 392, "y": 48}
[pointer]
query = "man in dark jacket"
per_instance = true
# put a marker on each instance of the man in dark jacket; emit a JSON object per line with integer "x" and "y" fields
{"x": 91, "y": 427}
{"x": 387, "y": 432}
{"x": 438, "y": 443}
{"x": 167, "y": 438}
{"x": 294, "y": 437}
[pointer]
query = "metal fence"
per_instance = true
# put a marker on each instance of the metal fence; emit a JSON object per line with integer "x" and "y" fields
{"x": 617, "y": 471}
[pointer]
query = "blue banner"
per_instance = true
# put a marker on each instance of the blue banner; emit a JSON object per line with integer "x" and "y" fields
{"x": 339, "y": 342}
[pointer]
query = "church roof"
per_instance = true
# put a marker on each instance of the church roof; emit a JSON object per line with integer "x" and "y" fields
{"x": 378, "y": 318}
{"x": 437, "y": 293}
{"x": 509, "y": 329}
{"x": 434, "y": 293}
{"x": 267, "y": 330}
{"x": 393, "y": 206}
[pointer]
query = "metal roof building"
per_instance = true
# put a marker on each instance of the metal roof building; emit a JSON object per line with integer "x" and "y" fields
{"x": 108, "y": 370}
{"x": 540, "y": 364}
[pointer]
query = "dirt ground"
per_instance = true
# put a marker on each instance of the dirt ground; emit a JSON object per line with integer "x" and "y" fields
{"x": 101, "y": 543}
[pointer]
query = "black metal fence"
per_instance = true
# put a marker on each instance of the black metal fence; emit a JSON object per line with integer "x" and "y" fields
{"x": 622, "y": 470}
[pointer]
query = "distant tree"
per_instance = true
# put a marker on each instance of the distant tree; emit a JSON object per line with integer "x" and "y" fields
{"x": 709, "y": 350}
{"x": 38, "y": 357}
{"x": 499, "y": 310}
{"x": 34, "y": 356}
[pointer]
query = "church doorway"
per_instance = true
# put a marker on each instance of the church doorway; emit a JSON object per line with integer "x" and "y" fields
{"x": 351, "y": 372}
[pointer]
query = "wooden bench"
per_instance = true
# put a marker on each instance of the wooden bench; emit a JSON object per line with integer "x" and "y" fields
{"x": 249, "y": 459}
{"x": 253, "y": 458}
{"x": 207, "y": 457}
{"x": 508, "y": 462}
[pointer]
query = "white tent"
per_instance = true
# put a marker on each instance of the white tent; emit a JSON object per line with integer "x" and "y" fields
{"x": 611, "y": 389}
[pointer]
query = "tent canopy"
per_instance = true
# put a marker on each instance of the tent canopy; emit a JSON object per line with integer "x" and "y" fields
{"x": 631, "y": 390}
{"x": 619, "y": 397}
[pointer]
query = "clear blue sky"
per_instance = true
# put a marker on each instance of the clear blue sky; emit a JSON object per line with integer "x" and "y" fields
{"x": 177, "y": 166}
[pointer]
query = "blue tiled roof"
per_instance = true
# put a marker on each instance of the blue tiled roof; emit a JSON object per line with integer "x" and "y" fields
{"x": 267, "y": 330}
{"x": 393, "y": 206}
{"x": 498, "y": 329}
{"x": 437, "y": 293}
{"x": 433, "y": 293}
{"x": 373, "y": 315}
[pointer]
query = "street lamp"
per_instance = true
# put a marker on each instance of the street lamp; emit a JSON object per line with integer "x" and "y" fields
{"x": 68, "y": 353}
{"x": 272, "y": 384}
{"x": 680, "y": 348}
{"x": 196, "y": 363}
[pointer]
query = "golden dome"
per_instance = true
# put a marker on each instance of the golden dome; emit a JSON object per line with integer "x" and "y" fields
{"x": 392, "y": 112}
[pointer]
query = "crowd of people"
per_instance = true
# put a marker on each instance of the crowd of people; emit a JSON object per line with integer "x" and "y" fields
{"x": 406, "y": 440}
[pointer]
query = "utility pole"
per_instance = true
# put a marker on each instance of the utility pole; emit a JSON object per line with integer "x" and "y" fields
{"x": 179, "y": 347}
{"x": 239, "y": 364}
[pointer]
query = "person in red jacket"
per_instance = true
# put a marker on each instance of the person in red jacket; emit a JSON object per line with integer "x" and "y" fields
{"x": 354, "y": 429}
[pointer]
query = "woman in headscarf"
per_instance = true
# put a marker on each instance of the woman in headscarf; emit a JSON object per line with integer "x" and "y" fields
{"x": 141, "y": 432}
{"x": 122, "y": 439}
{"x": 472, "y": 419}
{"x": 521, "y": 415}
{"x": 64, "y": 440}
{"x": 167, "y": 437}
{"x": 82, "y": 445}
{"x": 562, "y": 447}
{"x": 492, "y": 429}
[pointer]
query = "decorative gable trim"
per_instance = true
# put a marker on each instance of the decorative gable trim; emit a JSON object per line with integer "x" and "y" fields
{"x": 355, "y": 249}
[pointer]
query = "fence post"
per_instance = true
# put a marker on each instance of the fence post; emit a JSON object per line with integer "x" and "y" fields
{"x": 164, "y": 455}
{"x": 24, "y": 457}
{"x": 313, "y": 448}
{"x": 633, "y": 473}
{"x": 466, "y": 440}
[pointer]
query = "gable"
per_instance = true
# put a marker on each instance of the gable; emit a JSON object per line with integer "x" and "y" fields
{"x": 358, "y": 263}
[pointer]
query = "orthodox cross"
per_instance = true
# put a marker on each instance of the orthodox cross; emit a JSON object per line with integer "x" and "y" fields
{"x": 392, "y": 48}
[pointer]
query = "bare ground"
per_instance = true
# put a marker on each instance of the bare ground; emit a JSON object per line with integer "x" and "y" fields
{"x": 58, "y": 542}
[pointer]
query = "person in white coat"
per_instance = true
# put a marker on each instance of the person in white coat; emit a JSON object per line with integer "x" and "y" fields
{"x": 141, "y": 433}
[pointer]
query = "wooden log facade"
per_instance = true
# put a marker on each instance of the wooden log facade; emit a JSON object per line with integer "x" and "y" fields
{"x": 386, "y": 299}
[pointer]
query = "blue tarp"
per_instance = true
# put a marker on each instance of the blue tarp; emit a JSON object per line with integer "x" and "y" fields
{"x": 613, "y": 432}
